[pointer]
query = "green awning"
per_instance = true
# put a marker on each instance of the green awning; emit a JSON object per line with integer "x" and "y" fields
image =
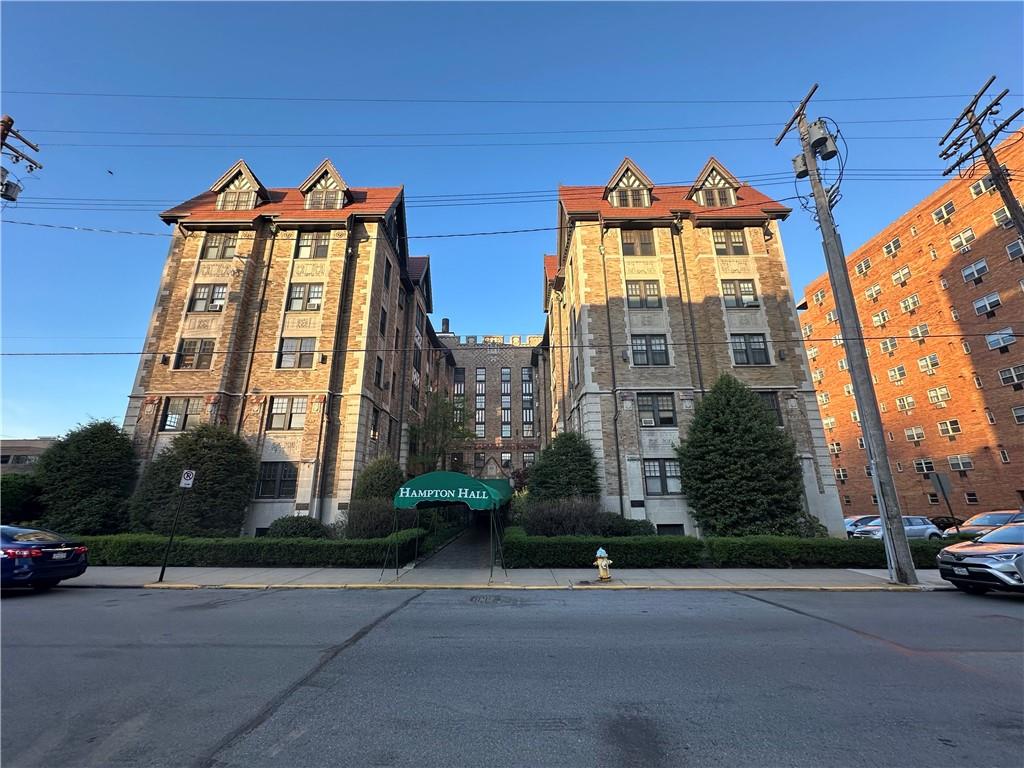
{"x": 453, "y": 487}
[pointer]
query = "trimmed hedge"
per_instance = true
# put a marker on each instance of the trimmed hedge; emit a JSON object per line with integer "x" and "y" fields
{"x": 148, "y": 550}
{"x": 716, "y": 552}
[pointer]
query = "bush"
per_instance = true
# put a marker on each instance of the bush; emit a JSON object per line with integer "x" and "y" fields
{"x": 522, "y": 551}
{"x": 791, "y": 552}
{"x": 579, "y": 517}
{"x": 565, "y": 469}
{"x": 374, "y": 518}
{"x": 380, "y": 479}
{"x": 148, "y": 550}
{"x": 86, "y": 478}
{"x": 19, "y": 499}
{"x": 291, "y": 527}
{"x": 226, "y": 469}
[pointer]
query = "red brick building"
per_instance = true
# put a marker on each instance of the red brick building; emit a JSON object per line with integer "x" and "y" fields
{"x": 940, "y": 292}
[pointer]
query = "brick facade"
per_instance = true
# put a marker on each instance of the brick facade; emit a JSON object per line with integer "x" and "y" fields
{"x": 928, "y": 285}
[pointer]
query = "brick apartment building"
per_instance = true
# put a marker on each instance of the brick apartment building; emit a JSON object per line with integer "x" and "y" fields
{"x": 500, "y": 392}
{"x": 940, "y": 293}
{"x": 297, "y": 317}
{"x": 656, "y": 291}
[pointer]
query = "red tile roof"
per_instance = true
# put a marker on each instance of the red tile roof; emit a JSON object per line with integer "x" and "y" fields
{"x": 666, "y": 200}
{"x": 288, "y": 204}
{"x": 550, "y": 267}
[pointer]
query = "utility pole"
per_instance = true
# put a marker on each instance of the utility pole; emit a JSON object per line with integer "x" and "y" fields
{"x": 815, "y": 139}
{"x": 9, "y": 190}
{"x": 973, "y": 126}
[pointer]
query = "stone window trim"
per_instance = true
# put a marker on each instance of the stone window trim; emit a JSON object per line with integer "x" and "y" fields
{"x": 662, "y": 477}
{"x": 194, "y": 355}
{"x": 729, "y": 242}
{"x": 219, "y": 246}
{"x": 643, "y": 294}
{"x": 637, "y": 242}
{"x": 749, "y": 349}
{"x": 656, "y": 409}
{"x": 287, "y": 412}
{"x": 740, "y": 294}
{"x": 312, "y": 245}
{"x": 177, "y": 411}
{"x": 305, "y": 297}
{"x": 649, "y": 349}
{"x": 277, "y": 480}
{"x": 208, "y": 297}
{"x": 296, "y": 352}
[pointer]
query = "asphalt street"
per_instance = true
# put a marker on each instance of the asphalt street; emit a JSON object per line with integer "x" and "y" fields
{"x": 216, "y": 678}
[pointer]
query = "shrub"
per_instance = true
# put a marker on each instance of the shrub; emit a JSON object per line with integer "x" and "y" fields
{"x": 566, "y": 468}
{"x": 148, "y": 550}
{"x": 226, "y": 469}
{"x": 19, "y": 499}
{"x": 524, "y": 551}
{"x": 740, "y": 472}
{"x": 792, "y": 552}
{"x": 579, "y": 517}
{"x": 291, "y": 527}
{"x": 85, "y": 479}
{"x": 380, "y": 479}
{"x": 374, "y": 518}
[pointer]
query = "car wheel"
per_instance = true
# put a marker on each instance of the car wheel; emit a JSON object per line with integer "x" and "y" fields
{"x": 44, "y": 584}
{"x": 970, "y": 589}
{"x": 935, "y": 536}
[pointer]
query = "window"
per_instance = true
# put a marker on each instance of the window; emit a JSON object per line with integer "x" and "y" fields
{"x": 938, "y": 395}
{"x": 841, "y": 473}
{"x": 970, "y": 497}
{"x": 656, "y": 409}
{"x": 529, "y": 458}
{"x": 1004, "y": 456}
{"x": 914, "y": 434}
{"x": 889, "y": 345}
{"x": 1015, "y": 250}
{"x": 378, "y": 372}
{"x": 749, "y": 349}
{"x": 862, "y": 266}
{"x": 974, "y": 271}
{"x": 312, "y": 245}
{"x": 860, "y": 443}
{"x": 649, "y": 349}
{"x": 807, "y": 330}
{"x": 949, "y": 428}
{"x": 662, "y": 477}
{"x": 296, "y": 353}
{"x": 848, "y": 390}
{"x": 919, "y": 331}
{"x": 479, "y": 459}
{"x": 1018, "y": 414}
{"x": 235, "y": 200}
{"x": 829, "y": 422}
{"x": 818, "y": 297}
{"x": 977, "y": 381}
{"x": 506, "y": 459}
{"x": 847, "y": 500}
{"x": 480, "y": 420}
{"x": 943, "y": 212}
{"x": 771, "y": 402}
{"x": 890, "y": 248}
{"x": 960, "y": 462}
{"x": 305, "y": 297}
{"x": 880, "y": 318}
{"x": 928, "y": 363}
{"x": 287, "y": 413}
{"x": 901, "y": 275}
{"x": 630, "y": 198}
{"x": 818, "y": 374}
{"x": 831, "y": 316}
{"x": 387, "y": 274}
{"x": 812, "y": 353}
{"x": 414, "y": 398}
{"x": 835, "y": 448}
{"x": 873, "y": 292}
{"x": 823, "y": 398}
{"x": 910, "y": 303}
{"x": 933, "y": 498}
{"x": 322, "y": 199}
{"x": 637, "y": 242}
{"x": 898, "y": 373}
{"x": 277, "y": 480}
{"x": 905, "y": 403}
{"x": 382, "y": 324}
{"x": 842, "y": 365}
{"x": 966, "y": 347}
{"x": 729, "y": 242}
{"x": 1001, "y": 338}
{"x": 208, "y": 298}
{"x": 739, "y": 294}
{"x": 979, "y": 188}
{"x": 855, "y": 417}
{"x": 717, "y": 197}
{"x": 176, "y": 413}
{"x": 986, "y": 303}
{"x": 867, "y": 471}
{"x": 953, "y": 314}
{"x": 962, "y": 240}
{"x": 643, "y": 294}
{"x": 219, "y": 245}
{"x": 990, "y": 417}
{"x": 194, "y": 354}
{"x": 1014, "y": 375}
{"x": 1001, "y": 217}
{"x": 924, "y": 466}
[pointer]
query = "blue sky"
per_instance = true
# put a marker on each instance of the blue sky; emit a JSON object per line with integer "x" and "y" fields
{"x": 68, "y": 291}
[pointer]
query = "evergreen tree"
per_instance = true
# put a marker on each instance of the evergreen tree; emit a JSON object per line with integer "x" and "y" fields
{"x": 226, "y": 468}
{"x": 740, "y": 472}
{"x": 565, "y": 469}
{"x": 380, "y": 479}
{"x": 85, "y": 479}
{"x": 19, "y": 499}
{"x": 435, "y": 434}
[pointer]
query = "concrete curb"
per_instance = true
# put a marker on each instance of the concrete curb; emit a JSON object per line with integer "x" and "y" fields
{"x": 563, "y": 588}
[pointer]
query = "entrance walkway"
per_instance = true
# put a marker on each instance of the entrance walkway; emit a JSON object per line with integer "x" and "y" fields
{"x": 470, "y": 550}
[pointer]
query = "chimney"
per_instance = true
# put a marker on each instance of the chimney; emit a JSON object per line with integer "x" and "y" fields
{"x": 444, "y": 325}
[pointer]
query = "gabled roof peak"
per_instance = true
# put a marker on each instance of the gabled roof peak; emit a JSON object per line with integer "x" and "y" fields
{"x": 326, "y": 167}
{"x": 241, "y": 168}
{"x": 711, "y": 167}
{"x": 628, "y": 166}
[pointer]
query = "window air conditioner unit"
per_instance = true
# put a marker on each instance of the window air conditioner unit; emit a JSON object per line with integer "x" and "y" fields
{"x": 216, "y": 307}
{"x": 1008, "y": 224}
{"x": 313, "y": 305}
{"x": 965, "y": 249}
{"x": 930, "y": 371}
{"x": 647, "y": 422}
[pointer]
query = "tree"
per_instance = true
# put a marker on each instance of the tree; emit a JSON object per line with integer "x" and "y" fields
{"x": 565, "y": 469}
{"x": 20, "y": 496}
{"x": 380, "y": 479}
{"x": 435, "y": 434}
{"x": 86, "y": 478}
{"x": 740, "y": 472}
{"x": 226, "y": 468}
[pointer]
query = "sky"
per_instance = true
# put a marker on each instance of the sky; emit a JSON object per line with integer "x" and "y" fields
{"x": 719, "y": 79}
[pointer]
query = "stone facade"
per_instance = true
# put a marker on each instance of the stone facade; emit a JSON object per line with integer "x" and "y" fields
{"x": 955, "y": 396}
{"x": 644, "y": 302}
{"x": 297, "y": 319}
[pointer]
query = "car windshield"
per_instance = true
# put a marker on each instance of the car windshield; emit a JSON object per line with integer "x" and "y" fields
{"x": 1009, "y": 534}
{"x": 991, "y": 518}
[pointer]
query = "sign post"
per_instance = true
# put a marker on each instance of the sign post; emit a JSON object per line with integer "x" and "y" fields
{"x": 188, "y": 477}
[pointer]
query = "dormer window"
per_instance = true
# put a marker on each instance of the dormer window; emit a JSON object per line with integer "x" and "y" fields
{"x": 325, "y": 195}
{"x": 237, "y": 196}
{"x": 631, "y": 198}
{"x": 719, "y": 198}
{"x": 629, "y": 187}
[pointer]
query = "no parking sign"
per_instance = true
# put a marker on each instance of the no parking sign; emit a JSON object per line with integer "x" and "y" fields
{"x": 187, "y": 478}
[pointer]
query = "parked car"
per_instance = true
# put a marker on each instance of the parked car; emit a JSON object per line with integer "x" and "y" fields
{"x": 39, "y": 559}
{"x": 943, "y": 522}
{"x": 853, "y": 523}
{"x": 985, "y": 522}
{"x": 994, "y": 560}
{"x": 916, "y": 528}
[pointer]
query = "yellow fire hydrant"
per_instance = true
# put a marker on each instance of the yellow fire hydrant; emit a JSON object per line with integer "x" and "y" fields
{"x": 602, "y": 563}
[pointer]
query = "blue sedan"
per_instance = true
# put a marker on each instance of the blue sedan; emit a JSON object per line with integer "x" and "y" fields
{"x": 39, "y": 559}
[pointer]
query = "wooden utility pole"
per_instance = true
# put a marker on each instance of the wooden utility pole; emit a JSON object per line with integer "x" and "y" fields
{"x": 897, "y": 550}
{"x": 6, "y": 131}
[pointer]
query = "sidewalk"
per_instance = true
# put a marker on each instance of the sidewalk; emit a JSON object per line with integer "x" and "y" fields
{"x": 826, "y": 579}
